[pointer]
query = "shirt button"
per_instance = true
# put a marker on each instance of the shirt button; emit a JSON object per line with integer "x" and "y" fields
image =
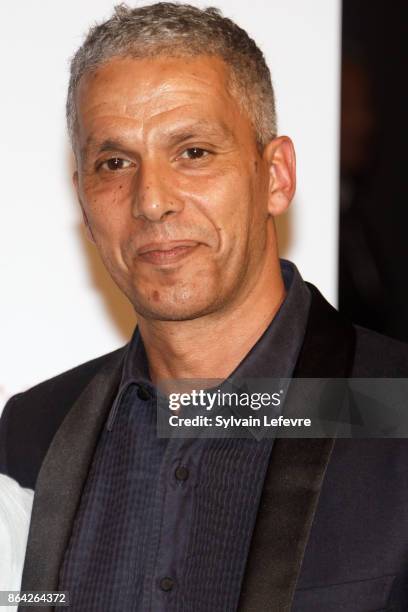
{"x": 181, "y": 473}
{"x": 166, "y": 584}
{"x": 143, "y": 393}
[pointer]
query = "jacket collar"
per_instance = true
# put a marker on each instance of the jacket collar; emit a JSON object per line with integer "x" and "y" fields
{"x": 290, "y": 494}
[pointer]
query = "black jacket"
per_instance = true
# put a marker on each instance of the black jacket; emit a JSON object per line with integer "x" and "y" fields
{"x": 332, "y": 528}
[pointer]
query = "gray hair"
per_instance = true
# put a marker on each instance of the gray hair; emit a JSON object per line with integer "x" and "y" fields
{"x": 170, "y": 29}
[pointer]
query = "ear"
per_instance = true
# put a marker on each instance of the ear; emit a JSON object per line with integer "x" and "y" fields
{"x": 280, "y": 157}
{"x": 88, "y": 229}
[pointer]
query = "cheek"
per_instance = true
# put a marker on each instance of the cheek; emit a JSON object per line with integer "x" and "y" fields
{"x": 231, "y": 207}
{"x": 110, "y": 231}
{"x": 106, "y": 206}
{"x": 223, "y": 198}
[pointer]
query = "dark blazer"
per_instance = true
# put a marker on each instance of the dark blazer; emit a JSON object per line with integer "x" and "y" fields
{"x": 332, "y": 528}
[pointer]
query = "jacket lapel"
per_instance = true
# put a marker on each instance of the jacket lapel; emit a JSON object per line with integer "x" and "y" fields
{"x": 62, "y": 476}
{"x": 295, "y": 474}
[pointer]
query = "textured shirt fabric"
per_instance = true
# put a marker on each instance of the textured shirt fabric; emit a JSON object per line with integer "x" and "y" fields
{"x": 166, "y": 524}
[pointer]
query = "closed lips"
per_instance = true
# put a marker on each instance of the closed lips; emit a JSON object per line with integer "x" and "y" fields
{"x": 166, "y": 246}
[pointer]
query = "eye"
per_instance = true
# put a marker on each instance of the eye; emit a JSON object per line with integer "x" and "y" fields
{"x": 194, "y": 153}
{"x": 116, "y": 163}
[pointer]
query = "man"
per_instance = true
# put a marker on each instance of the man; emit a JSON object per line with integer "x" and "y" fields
{"x": 180, "y": 174}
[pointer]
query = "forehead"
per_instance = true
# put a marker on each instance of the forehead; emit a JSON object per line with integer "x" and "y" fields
{"x": 156, "y": 91}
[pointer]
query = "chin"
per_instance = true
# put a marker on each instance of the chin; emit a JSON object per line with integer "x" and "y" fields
{"x": 174, "y": 310}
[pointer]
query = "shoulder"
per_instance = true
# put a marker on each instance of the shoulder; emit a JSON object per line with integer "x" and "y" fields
{"x": 65, "y": 387}
{"x": 379, "y": 356}
{"x": 68, "y": 384}
{"x": 30, "y": 419}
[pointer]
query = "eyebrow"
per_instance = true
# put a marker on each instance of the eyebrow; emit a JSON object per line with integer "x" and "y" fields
{"x": 176, "y": 135}
{"x": 106, "y": 145}
{"x": 181, "y": 133}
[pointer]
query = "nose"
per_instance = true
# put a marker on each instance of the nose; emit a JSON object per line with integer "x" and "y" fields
{"x": 154, "y": 196}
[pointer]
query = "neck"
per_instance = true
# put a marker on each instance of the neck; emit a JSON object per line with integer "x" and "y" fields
{"x": 193, "y": 349}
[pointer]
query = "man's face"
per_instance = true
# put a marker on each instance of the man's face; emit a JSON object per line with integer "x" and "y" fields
{"x": 172, "y": 185}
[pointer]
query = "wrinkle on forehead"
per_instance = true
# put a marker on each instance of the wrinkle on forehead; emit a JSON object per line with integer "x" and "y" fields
{"x": 157, "y": 74}
{"x": 149, "y": 92}
{"x": 147, "y": 97}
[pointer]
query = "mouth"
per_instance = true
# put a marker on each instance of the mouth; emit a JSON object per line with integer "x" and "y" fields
{"x": 161, "y": 253}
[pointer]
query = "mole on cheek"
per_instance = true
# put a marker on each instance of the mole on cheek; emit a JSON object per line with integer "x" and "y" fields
{"x": 156, "y": 296}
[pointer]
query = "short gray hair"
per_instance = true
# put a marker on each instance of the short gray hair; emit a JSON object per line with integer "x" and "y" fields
{"x": 170, "y": 29}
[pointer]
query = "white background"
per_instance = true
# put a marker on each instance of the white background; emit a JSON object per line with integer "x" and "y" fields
{"x": 58, "y": 307}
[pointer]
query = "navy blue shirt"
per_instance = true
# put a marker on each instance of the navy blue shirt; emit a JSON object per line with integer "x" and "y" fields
{"x": 166, "y": 524}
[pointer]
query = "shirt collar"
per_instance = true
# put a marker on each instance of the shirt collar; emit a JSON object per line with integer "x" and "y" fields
{"x": 274, "y": 355}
